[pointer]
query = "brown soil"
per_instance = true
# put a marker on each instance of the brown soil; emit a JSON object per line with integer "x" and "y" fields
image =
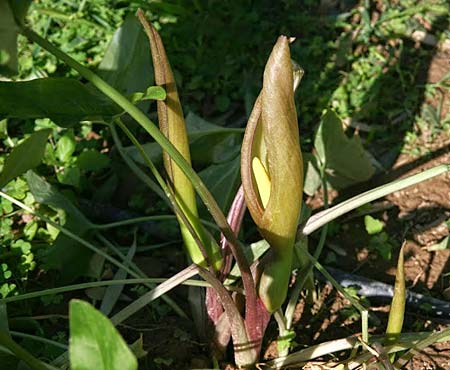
{"x": 415, "y": 216}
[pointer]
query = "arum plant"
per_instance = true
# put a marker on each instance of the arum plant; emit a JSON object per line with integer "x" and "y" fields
{"x": 272, "y": 172}
{"x": 272, "y": 181}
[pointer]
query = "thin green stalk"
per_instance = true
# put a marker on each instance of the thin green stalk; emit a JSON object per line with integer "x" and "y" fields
{"x": 319, "y": 219}
{"x": 151, "y": 128}
{"x": 148, "y": 125}
{"x": 88, "y": 245}
{"x": 39, "y": 339}
{"x": 336, "y": 285}
{"x": 132, "y": 221}
{"x": 22, "y": 353}
{"x": 428, "y": 341}
{"x": 306, "y": 272}
{"x": 174, "y": 202}
{"x": 135, "y": 168}
{"x": 157, "y": 292}
{"x": 95, "y": 284}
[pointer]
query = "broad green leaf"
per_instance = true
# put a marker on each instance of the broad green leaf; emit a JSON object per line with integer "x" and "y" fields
{"x": 222, "y": 180}
{"x": 70, "y": 175}
{"x": 346, "y": 161}
{"x": 65, "y": 101}
{"x": 209, "y": 143}
{"x": 127, "y": 64}
{"x": 94, "y": 341}
{"x": 65, "y": 147}
{"x": 24, "y": 157}
{"x": 373, "y": 226}
{"x": 46, "y": 194}
{"x": 92, "y": 160}
{"x": 65, "y": 255}
{"x": 312, "y": 174}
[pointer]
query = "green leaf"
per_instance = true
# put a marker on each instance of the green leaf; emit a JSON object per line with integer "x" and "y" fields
{"x": 8, "y": 40}
{"x": 443, "y": 244}
{"x": 127, "y": 63}
{"x": 373, "y": 226}
{"x": 152, "y": 93}
{"x": 222, "y": 180}
{"x": 65, "y": 101}
{"x": 312, "y": 174}
{"x": 94, "y": 341}
{"x": 65, "y": 255}
{"x": 209, "y": 143}
{"x": 155, "y": 93}
{"x": 92, "y": 160}
{"x": 70, "y": 175}
{"x": 24, "y": 157}
{"x": 346, "y": 161}
{"x": 65, "y": 147}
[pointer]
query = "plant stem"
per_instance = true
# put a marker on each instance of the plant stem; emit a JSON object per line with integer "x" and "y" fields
{"x": 22, "y": 353}
{"x": 167, "y": 146}
{"x": 197, "y": 183}
{"x": 132, "y": 221}
{"x": 171, "y": 197}
{"x": 95, "y": 284}
{"x": 319, "y": 219}
{"x": 148, "y": 125}
{"x": 88, "y": 245}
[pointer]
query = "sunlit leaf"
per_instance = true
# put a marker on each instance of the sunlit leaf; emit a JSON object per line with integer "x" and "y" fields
{"x": 65, "y": 101}
{"x": 373, "y": 226}
{"x": 94, "y": 341}
{"x": 345, "y": 159}
{"x": 127, "y": 64}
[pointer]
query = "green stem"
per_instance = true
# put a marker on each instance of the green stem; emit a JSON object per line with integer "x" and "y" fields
{"x": 135, "y": 168}
{"x": 88, "y": 245}
{"x": 95, "y": 284}
{"x": 319, "y": 219}
{"x": 306, "y": 272}
{"x": 22, "y": 353}
{"x": 187, "y": 220}
{"x": 167, "y": 146}
{"x": 148, "y": 125}
{"x": 336, "y": 285}
{"x": 132, "y": 221}
{"x": 39, "y": 339}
